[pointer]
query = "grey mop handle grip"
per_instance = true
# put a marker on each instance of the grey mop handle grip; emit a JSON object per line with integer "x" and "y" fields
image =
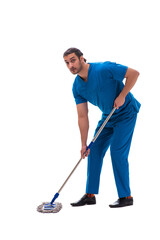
{"x": 89, "y": 146}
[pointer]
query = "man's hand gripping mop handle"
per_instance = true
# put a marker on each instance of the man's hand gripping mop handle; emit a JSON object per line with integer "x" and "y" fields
{"x": 89, "y": 146}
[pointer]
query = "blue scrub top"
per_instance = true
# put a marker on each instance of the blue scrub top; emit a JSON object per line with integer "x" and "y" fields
{"x": 104, "y": 84}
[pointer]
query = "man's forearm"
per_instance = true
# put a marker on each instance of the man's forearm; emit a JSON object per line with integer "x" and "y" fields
{"x": 131, "y": 78}
{"x": 130, "y": 82}
{"x": 83, "y": 123}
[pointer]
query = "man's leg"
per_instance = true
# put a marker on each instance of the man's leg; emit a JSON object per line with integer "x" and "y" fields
{"x": 120, "y": 147}
{"x": 95, "y": 159}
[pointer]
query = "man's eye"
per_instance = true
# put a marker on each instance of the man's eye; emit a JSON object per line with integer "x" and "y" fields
{"x": 73, "y": 60}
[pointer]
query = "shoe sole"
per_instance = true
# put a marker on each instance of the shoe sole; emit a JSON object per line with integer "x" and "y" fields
{"x": 118, "y": 206}
{"x": 83, "y": 205}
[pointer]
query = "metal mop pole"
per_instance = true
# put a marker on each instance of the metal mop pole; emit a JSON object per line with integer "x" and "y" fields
{"x": 89, "y": 146}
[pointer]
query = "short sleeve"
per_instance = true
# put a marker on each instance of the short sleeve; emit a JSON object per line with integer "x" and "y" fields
{"x": 77, "y": 97}
{"x": 117, "y": 71}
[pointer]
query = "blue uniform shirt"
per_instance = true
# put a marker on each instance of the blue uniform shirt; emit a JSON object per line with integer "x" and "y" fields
{"x": 104, "y": 84}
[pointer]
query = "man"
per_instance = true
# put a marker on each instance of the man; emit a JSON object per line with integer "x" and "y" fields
{"x": 102, "y": 85}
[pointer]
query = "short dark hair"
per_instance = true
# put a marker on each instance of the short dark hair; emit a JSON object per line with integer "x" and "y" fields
{"x": 74, "y": 50}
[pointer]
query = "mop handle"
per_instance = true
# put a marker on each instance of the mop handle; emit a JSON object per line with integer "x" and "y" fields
{"x": 89, "y": 146}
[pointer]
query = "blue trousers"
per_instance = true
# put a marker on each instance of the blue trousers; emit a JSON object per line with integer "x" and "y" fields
{"x": 117, "y": 135}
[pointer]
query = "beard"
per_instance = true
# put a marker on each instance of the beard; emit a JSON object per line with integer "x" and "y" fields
{"x": 77, "y": 69}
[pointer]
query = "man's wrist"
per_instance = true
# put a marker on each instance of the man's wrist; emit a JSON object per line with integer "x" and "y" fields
{"x": 123, "y": 94}
{"x": 84, "y": 145}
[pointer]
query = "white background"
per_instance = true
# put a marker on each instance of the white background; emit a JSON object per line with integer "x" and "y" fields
{"x": 39, "y": 135}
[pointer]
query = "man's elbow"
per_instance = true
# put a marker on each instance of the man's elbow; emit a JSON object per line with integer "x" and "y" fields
{"x": 132, "y": 73}
{"x": 137, "y": 73}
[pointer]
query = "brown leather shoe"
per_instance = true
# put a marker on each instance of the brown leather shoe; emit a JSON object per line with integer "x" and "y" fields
{"x": 122, "y": 202}
{"x": 85, "y": 200}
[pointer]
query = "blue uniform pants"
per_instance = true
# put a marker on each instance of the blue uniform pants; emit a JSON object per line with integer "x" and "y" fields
{"x": 117, "y": 135}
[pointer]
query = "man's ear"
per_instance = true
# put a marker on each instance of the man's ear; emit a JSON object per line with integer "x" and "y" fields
{"x": 82, "y": 59}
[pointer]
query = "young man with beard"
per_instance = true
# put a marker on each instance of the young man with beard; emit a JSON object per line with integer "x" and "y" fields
{"x": 102, "y": 85}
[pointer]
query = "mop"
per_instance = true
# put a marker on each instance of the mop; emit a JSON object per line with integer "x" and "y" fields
{"x": 54, "y": 207}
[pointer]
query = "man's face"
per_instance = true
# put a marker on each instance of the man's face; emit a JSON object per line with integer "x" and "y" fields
{"x": 73, "y": 63}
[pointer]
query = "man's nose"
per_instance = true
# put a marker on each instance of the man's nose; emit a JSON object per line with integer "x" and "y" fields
{"x": 70, "y": 65}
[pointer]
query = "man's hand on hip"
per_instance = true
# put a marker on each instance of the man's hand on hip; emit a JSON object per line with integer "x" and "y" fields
{"x": 119, "y": 101}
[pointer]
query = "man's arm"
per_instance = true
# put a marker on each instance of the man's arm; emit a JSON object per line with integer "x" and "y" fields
{"x": 83, "y": 122}
{"x": 131, "y": 78}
